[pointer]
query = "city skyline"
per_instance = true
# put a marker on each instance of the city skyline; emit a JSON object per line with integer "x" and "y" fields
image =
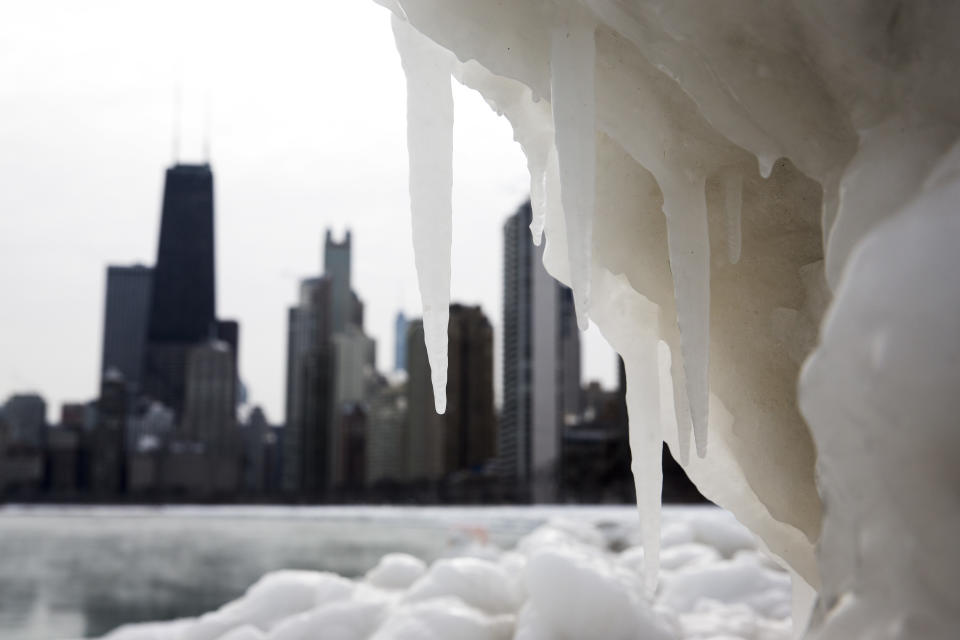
{"x": 293, "y": 155}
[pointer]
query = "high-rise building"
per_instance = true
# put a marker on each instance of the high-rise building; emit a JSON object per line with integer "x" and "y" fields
{"x": 400, "y": 342}
{"x": 210, "y": 415}
{"x": 255, "y": 432}
{"x": 423, "y": 437}
{"x": 308, "y": 398}
{"x": 386, "y": 420}
{"x": 327, "y": 360}
{"x": 464, "y": 437}
{"x": 345, "y": 306}
{"x": 182, "y": 302}
{"x": 541, "y": 366}
{"x": 26, "y": 418}
{"x": 125, "y": 317}
{"x": 108, "y": 449}
{"x": 354, "y": 355}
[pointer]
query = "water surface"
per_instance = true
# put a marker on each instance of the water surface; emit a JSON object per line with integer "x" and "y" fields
{"x": 80, "y": 572}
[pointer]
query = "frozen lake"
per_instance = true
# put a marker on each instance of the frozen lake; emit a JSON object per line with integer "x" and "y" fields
{"x": 73, "y": 572}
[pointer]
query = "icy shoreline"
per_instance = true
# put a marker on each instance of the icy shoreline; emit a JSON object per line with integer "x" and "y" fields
{"x": 577, "y": 576}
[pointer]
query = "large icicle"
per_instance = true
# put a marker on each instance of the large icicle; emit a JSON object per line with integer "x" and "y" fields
{"x": 629, "y": 323}
{"x": 430, "y": 144}
{"x": 688, "y": 243}
{"x": 572, "y": 55}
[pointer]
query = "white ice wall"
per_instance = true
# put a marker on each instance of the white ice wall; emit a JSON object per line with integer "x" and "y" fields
{"x": 745, "y": 155}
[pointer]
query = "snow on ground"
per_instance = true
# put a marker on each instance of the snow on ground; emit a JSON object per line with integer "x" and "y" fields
{"x": 577, "y": 576}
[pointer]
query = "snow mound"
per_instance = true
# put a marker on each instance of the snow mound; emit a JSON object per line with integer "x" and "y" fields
{"x": 566, "y": 580}
{"x": 396, "y": 571}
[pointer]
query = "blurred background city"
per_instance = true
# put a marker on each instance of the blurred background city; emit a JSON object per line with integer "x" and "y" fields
{"x": 208, "y": 297}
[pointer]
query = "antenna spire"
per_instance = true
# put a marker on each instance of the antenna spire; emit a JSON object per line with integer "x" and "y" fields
{"x": 177, "y": 112}
{"x": 207, "y": 126}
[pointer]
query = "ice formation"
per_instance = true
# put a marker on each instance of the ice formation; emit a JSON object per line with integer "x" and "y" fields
{"x": 430, "y": 144}
{"x": 569, "y": 579}
{"x": 754, "y": 163}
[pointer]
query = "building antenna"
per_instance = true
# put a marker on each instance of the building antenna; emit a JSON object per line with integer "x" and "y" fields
{"x": 177, "y": 111}
{"x": 207, "y": 125}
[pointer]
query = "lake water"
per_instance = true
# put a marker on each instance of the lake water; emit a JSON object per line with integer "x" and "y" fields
{"x": 80, "y": 572}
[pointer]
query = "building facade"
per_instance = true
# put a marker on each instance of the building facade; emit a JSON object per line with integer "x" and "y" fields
{"x": 541, "y": 367}
{"x": 125, "y": 317}
{"x": 464, "y": 438}
{"x": 328, "y": 360}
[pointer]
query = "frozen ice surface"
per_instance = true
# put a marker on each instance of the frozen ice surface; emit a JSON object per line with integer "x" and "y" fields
{"x": 578, "y": 575}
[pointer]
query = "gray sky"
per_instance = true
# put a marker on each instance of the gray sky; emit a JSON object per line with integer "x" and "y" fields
{"x": 306, "y": 102}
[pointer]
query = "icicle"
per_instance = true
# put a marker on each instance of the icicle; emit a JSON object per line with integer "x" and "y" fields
{"x": 538, "y": 201}
{"x": 688, "y": 241}
{"x": 430, "y": 145}
{"x": 732, "y": 204}
{"x": 680, "y": 405}
{"x": 646, "y": 444}
{"x": 629, "y": 322}
{"x": 572, "y": 57}
{"x": 765, "y": 164}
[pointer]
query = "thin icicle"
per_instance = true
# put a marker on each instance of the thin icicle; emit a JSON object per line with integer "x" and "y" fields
{"x": 680, "y": 405}
{"x": 430, "y": 144}
{"x": 572, "y": 56}
{"x": 732, "y": 205}
{"x": 538, "y": 202}
{"x": 688, "y": 243}
{"x": 765, "y": 164}
{"x": 646, "y": 444}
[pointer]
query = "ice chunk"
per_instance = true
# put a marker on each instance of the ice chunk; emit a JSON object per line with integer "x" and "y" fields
{"x": 572, "y": 59}
{"x": 578, "y": 594}
{"x": 396, "y": 571}
{"x": 482, "y": 584}
{"x": 443, "y": 619}
{"x": 430, "y": 144}
{"x": 741, "y": 580}
{"x": 347, "y": 620}
{"x": 246, "y": 632}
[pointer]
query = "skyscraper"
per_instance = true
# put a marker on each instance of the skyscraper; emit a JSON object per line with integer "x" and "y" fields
{"x": 182, "y": 301}
{"x": 465, "y": 436}
{"x": 125, "y": 317}
{"x": 345, "y": 306}
{"x": 387, "y": 417}
{"x": 541, "y": 366}
{"x": 209, "y": 416}
{"x": 354, "y": 356}
{"x": 327, "y": 354}
{"x": 309, "y": 391}
{"x": 400, "y": 342}
{"x": 108, "y": 472}
{"x": 26, "y": 417}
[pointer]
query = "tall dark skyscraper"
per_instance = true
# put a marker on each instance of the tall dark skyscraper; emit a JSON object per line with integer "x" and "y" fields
{"x": 182, "y": 303}
{"x": 541, "y": 366}
{"x": 125, "y": 322}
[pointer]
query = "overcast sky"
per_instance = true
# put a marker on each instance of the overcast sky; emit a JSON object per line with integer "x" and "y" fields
{"x": 306, "y": 104}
